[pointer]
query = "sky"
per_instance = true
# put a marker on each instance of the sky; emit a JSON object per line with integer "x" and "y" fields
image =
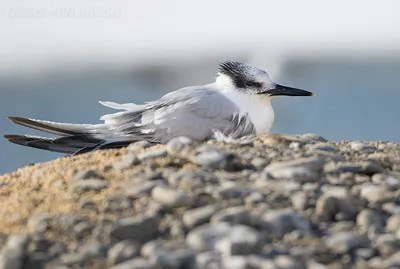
{"x": 40, "y": 33}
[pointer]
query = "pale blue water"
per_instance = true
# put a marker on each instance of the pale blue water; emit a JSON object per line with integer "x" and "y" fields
{"x": 355, "y": 101}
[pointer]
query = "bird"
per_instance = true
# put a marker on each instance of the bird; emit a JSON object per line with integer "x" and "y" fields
{"x": 237, "y": 104}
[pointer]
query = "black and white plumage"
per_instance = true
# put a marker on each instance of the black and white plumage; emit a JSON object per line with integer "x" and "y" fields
{"x": 237, "y": 104}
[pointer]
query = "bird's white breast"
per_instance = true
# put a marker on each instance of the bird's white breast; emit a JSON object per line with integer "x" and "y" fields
{"x": 258, "y": 108}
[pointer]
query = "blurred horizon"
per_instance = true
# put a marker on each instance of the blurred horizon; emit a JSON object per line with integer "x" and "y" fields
{"x": 60, "y": 58}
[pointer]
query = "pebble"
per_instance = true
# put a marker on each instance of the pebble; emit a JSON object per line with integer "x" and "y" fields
{"x": 305, "y": 169}
{"x": 211, "y": 157}
{"x": 343, "y": 242}
{"x": 86, "y": 185}
{"x": 283, "y": 221}
{"x": 369, "y": 219}
{"x": 376, "y": 193}
{"x": 393, "y": 224}
{"x": 155, "y": 153}
{"x": 87, "y": 174}
{"x": 171, "y": 197}
{"x": 179, "y": 146}
{"x": 127, "y": 161}
{"x": 135, "y": 146}
{"x": 139, "y": 228}
{"x": 39, "y": 222}
{"x": 123, "y": 251}
{"x": 241, "y": 240}
{"x": 205, "y": 237}
{"x": 174, "y": 254}
{"x": 137, "y": 263}
{"x": 236, "y": 215}
{"x": 13, "y": 253}
{"x": 359, "y": 146}
{"x": 195, "y": 217}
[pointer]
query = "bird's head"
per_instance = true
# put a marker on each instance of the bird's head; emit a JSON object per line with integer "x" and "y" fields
{"x": 252, "y": 80}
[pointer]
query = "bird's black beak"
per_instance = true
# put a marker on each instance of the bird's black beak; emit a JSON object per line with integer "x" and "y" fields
{"x": 288, "y": 91}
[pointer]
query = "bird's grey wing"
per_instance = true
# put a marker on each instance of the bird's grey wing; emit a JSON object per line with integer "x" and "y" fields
{"x": 196, "y": 112}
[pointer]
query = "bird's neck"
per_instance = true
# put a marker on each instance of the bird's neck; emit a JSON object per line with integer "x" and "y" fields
{"x": 257, "y": 107}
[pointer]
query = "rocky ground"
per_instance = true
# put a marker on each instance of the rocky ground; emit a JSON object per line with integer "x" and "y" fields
{"x": 276, "y": 202}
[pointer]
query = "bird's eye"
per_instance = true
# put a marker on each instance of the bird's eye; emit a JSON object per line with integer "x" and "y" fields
{"x": 253, "y": 84}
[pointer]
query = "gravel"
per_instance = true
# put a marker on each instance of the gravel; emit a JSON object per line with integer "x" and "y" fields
{"x": 279, "y": 201}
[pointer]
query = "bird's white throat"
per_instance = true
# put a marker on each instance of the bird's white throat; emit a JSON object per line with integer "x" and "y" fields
{"x": 257, "y": 107}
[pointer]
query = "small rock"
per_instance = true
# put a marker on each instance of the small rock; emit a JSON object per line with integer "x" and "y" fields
{"x": 39, "y": 222}
{"x": 241, "y": 240}
{"x": 376, "y": 193}
{"x": 137, "y": 263}
{"x": 300, "y": 200}
{"x": 82, "y": 186}
{"x": 139, "y": 145}
{"x": 259, "y": 163}
{"x": 127, "y": 161}
{"x": 281, "y": 221}
{"x": 171, "y": 197}
{"x": 209, "y": 259}
{"x": 185, "y": 178}
{"x": 306, "y": 169}
{"x": 287, "y": 262}
{"x": 236, "y": 215}
{"x": 179, "y": 146}
{"x": 386, "y": 179}
{"x": 83, "y": 228}
{"x": 369, "y": 219}
{"x": 140, "y": 228}
{"x": 93, "y": 250}
{"x": 343, "y": 242}
{"x": 173, "y": 254}
{"x": 155, "y": 153}
{"x": 13, "y": 253}
{"x": 393, "y": 224}
{"x": 87, "y": 174}
{"x": 123, "y": 251}
{"x": 209, "y": 157}
{"x": 134, "y": 190}
{"x": 72, "y": 259}
{"x": 195, "y": 217}
{"x": 205, "y": 237}
{"x": 368, "y": 168}
{"x": 363, "y": 147}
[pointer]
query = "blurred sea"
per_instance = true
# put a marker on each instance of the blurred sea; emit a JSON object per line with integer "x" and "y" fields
{"x": 356, "y": 100}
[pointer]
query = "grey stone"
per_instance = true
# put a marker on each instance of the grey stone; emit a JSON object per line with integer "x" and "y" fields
{"x": 123, "y": 251}
{"x": 72, "y": 259}
{"x": 171, "y": 197}
{"x": 279, "y": 222}
{"x": 127, "y": 161}
{"x": 393, "y": 224}
{"x": 359, "y": 146}
{"x": 343, "y": 242}
{"x": 209, "y": 260}
{"x": 136, "y": 189}
{"x": 173, "y": 254}
{"x": 336, "y": 202}
{"x": 236, "y": 215}
{"x": 86, "y": 185}
{"x": 195, "y": 217}
{"x": 179, "y": 146}
{"x": 205, "y": 237}
{"x": 139, "y": 145}
{"x": 259, "y": 163}
{"x": 83, "y": 228}
{"x": 137, "y": 263}
{"x": 376, "y": 193}
{"x": 155, "y": 153}
{"x": 305, "y": 169}
{"x": 241, "y": 240}
{"x": 140, "y": 228}
{"x": 300, "y": 200}
{"x": 187, "y": 177}
{"x": 208, "y": 156}
{"x": 368, "y": 167}
{"x": 39, "y": 222}
{"x": 369, "y": 219}
{"x": 93, "y": 250}
{"x": 287, "y": 262}
{"x": 231, "y": 190}
{"x": 13, "y": 253}
{"x": 87, "y": 174}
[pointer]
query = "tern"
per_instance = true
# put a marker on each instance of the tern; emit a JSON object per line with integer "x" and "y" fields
{"x": 236, "y": 105}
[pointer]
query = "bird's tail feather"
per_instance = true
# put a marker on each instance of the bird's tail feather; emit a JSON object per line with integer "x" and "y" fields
{"x": 71, "y": 138}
